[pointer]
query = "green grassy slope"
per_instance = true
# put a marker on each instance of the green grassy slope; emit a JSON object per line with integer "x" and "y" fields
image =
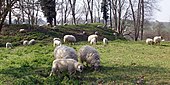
{"x": 122, "y": 62}
{"x": 44, "y": 33}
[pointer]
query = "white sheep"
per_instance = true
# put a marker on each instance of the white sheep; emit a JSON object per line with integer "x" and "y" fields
{"x": 9, "y": 45}
{"x": 56, "y": 39}
{"x": 90, "y": 37}
{"x": 89, "y": 55}
{"x": 65, "y": 52}
{"x": 56, "y": 42}
{"x": 69, "y": 38}
{"x": 70, "y": 65}
{"x": 96, "y": 33}
{"x": 22, "y": 30}
{"x": 31, "y": 42}
{"x": 93, "y": 41}
{"x": 25, "y": 42}
{"x": 157, "y": 39}
{"x": 149, "y": 41}
{"x": 105, "y": 41}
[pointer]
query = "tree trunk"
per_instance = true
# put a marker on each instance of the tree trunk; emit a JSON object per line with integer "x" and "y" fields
{"x": 73, "y": 10}
{"x": 9, "y": 2}
{"x": 110, "y": 13}
{"x": 142, "y": 21}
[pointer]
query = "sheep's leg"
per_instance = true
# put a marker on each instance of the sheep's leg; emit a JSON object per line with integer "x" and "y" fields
{"x": 52, "y": 71}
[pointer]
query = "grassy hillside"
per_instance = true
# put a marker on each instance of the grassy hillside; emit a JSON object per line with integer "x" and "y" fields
{"x": 10, "y": 33}
{"x": 122, "y": 62}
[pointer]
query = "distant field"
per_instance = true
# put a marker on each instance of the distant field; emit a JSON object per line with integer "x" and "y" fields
{"x": 123, "y": 62}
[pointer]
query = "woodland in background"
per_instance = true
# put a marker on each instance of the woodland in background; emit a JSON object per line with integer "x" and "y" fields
{"x": 129, "y": 18}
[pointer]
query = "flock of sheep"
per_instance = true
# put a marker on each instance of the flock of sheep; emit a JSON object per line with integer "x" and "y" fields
{"x": 66, "y": 58}
{"x": 156, "y": 40}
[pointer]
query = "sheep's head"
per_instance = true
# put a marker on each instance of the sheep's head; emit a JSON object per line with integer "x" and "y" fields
{"x": 79, "y": 67}
{"x": 95, "y": 61}
{"x": 95, "y": 64}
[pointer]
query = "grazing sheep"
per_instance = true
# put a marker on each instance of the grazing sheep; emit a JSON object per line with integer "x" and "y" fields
{"x": 25, "y": 42}
{"x": 84, "y": 32}
{"x": 105, "y": 41}
{"x": 90, "y": 37}
{"x": 22, "y": 30}
{"x": 9, "y": 45}
{"x": 31, "y": 42}
{"x": 65, "y": 52}
{"x": 86, "y": 23}
{"x": 96, "y": 33}
{"x": 157, "y": 39}
{"x": 89, "y": 55}
{"x": 48, "y": 24}
{"x": 70, "y": 65}
{"x": 163, "y": 40}
{"x": 56, "y": 39}
{"x": 56, "y": 43}
{"x": 93, "y": 41}
{"x": 149, "y": 41}
{"x": 69, "y": 38}
{"x": 65, "y": 24}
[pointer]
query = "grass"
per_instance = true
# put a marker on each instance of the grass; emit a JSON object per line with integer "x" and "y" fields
{"x": 122, "y": 62}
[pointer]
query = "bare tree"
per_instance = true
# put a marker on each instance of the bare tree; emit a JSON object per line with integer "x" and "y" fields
{"x": 4, "y": 10}
{"x": 73, "y": 4}
{"x": 90, "y": 9}
{"x": 120, "y": 13}
{"x": 97, "y": 4}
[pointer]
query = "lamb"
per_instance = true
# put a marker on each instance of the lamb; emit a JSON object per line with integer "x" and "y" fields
{"x": 91, "y": 37}
{"x": 93, "y": 41}
{"x": 65, "y": 52}
{"x": 70, "y": 65}
{"x": 69, "y": 38}
{"x": 9, "y": 45}
{"x": 105, "y": 41}
{"x": 149, "y": 41}
{"x": 25, "y": 42}
{"x": 56, "y": 42}
{"x": 31, "y": 42}
{"x": 89, "y": 55}
{"x": 157, "y": 39}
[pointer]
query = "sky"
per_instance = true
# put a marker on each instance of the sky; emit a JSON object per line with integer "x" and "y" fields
{"x": 164, "y": 14}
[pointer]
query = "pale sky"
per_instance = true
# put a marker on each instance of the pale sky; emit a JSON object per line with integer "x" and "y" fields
{"x": 164, "y": 14}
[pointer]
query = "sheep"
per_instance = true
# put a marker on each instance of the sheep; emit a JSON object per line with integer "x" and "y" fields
{"x": 149, "y": 41}
{"x": 25, "y": 42}
{"x": 93, "y": 41}
{"x": 9, "y": 45}
{"x": 69, "y": 38}
{"x": 31, "y": 42}
{"x": 70, "y": 65}
{"x": 56, "y": 42}
{"x": 90, "y": 37}
{"x": 96, "y": 33}
{"x": 89, "y": 55}
{"x": 65, "y": 52}
{"x": 56, "y": 39}
{"x": 65, "y": 24}
{"x": 86, "y": 23}
{"x": 84, "y": 32}
{"x": 105, "y": 41}
{"x": 22, "y": 30}
{"x": 157, "y": 39}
